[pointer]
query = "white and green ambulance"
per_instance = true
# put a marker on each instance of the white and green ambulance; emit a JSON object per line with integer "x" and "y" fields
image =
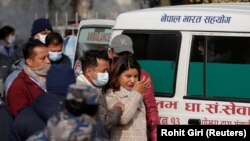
{"x": 198, "y": 57}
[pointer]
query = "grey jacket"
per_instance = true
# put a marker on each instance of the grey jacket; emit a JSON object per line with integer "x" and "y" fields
{"x": 16, "y": 68}
{"x": 5, "y": 63}
{"x": 109, "y": 117}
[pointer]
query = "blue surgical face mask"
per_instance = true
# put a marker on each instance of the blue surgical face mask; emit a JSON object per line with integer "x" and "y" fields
{"x": 55, "y": 56}
{"x": 11, "y": 39}
{"x": 102, "y": 79}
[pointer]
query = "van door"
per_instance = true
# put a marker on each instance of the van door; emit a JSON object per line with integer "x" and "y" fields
{"x": 218, "y": 79}
{"x": 157, "y": 53}
{"x": 198, "y": 77}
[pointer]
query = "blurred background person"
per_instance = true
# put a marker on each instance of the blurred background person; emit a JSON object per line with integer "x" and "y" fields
{"x": 7, "y": 39}
{"x": 5, "y": 65}
{"x": 69, "y": 44}
{"x": 41, "y": 27}
{"x": 78, "y": 119}
{"x": 54, "y": 42}
{"x": 6, "y": 119}
{"x": 6, "y": 122}
{"x": 34, "y": 117}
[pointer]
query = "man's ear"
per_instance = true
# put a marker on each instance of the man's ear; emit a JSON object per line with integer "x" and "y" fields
{"x": 87, "y": 71}
{"x": 29, "y": 62}
{"x": 111, "y": 52}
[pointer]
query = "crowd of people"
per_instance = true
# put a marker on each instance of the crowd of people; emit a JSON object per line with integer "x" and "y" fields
{"x": 111, "y": 99}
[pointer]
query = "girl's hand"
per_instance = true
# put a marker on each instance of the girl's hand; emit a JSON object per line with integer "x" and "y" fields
{"x": 142, "y": 85}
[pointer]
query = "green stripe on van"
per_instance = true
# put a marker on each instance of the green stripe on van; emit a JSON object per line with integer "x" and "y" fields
{"x": 162, "y": 74}
{"x": 222, "y": 80}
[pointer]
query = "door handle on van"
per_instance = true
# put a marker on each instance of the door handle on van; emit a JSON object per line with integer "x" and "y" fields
{"x": 194, "y": 122}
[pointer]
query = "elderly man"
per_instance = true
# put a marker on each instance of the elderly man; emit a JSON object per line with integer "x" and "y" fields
{"x": 30, "y": 82}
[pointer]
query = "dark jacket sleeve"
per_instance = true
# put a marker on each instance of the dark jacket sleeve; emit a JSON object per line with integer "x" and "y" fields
{"x": 108, "y": 117}
{"x": 5, "y": 67}
{"x": 151, "y": 109}
{"x": 6, "y": 122}
{"x": 66, "y": 60}
{"x": 25, "y": 124}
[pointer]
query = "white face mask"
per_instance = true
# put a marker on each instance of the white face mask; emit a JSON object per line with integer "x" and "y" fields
{"x": 102, "y": 79}
{"x": 11, "y": 39}
{"x": 42, "y": 38}
{"x": 55, "y": 56}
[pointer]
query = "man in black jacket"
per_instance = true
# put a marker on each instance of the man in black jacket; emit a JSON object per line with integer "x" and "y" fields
{"x": 54, "y": 42}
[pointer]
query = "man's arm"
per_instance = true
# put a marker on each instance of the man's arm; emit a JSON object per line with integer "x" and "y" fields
{"x": 16, "y": 98}
{"x": 109, "y": 117}
{"x": 151, "y": 109}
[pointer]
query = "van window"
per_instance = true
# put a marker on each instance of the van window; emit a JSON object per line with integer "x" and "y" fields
{"x": 219, "y": 67}
{"x": 92, "y": 38}
{"x": 157, "y": 53}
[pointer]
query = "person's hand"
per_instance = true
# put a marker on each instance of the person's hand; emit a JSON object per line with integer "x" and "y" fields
{"x": 142, "y": 85}
{"x": 119, "y": 104}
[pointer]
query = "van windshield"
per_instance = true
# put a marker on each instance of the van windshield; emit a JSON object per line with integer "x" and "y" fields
{"x": 91, "y": 38}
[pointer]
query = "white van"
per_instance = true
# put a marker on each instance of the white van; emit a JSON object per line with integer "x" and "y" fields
{"x": 198, "y": 57}
{"x": 92, "y": 34}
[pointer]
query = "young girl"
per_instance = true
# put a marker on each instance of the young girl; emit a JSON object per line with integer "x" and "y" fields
{"x": 124, "y": 86}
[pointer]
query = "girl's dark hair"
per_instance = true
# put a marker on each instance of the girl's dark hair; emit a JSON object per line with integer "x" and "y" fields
{"x": 79, "y": 108}
{"x": 119, "y": 65}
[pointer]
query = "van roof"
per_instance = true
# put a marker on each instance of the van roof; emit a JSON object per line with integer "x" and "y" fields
{"x": 228, "y": 17}
{"x": 97, "y": 23}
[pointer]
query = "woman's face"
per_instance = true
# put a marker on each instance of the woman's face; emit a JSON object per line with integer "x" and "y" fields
{"x": 128, "y": 78}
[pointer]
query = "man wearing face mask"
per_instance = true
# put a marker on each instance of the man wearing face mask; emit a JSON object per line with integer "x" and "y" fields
{"x": 40, "y": 29}
{"x": 30, "y": 82}
{"x": 95, "y": 67}
{"x": 7, "y": 39}
{"x": 54, "y": 42}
